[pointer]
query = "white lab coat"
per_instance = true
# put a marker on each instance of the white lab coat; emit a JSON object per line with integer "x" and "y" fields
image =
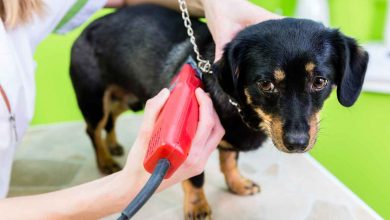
{"x": 17, "y": 73}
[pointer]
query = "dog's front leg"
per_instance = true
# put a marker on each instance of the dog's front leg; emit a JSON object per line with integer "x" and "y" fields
{"x": 195, "y": 202}
{"x": 235, "y": 181}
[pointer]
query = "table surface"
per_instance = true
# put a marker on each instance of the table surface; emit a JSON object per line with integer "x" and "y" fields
{"x": 293, "y": 186}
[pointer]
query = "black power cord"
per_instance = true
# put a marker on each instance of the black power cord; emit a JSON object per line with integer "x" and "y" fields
{"x": 147, "y": 191}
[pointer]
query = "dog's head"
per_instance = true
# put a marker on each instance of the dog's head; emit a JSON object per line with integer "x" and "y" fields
{"x": 281, "y": 71}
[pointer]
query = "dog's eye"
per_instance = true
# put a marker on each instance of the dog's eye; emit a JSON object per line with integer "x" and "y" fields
{"x": 319, "y": 83}
{"x": 266, "y": 86}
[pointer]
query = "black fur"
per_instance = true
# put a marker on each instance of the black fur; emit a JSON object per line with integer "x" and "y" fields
{"x": 197, "y": 181}
{"x": 141, "y": 48}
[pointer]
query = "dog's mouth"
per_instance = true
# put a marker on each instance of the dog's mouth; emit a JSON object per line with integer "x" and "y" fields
{"x": 273, "y": 126}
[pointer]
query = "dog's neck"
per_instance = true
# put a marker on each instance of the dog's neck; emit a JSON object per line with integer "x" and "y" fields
{"x": 219, "y": 97}
{"x": 224, "y": 106}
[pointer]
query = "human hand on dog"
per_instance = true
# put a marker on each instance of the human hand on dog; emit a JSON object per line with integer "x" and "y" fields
{"x": 225, "y": 19}
{"x": 208, "y": 135}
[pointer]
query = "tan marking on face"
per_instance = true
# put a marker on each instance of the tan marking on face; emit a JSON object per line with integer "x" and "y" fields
{"x": 309, "y": 67}
{"x": 265, "y": 125}
{"x": 266, "y": 117}
{"x": 277, "y": 134}
{"x": 248, "y": 96}
{"x": 272, "y": 126}
{"x": 279, "y": 75}
{"x": 235, "y": 181}
{"x": 314, "y": 123}
{"x": 195, "y": 201}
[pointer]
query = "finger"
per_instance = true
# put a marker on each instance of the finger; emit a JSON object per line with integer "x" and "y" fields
{"x": 205, "y": 125}
{"x": 206, "y": 118}
{"x": 212, "y": 143}
{"x": 215, "y": 137}
{"x": 199, "y": 156}
{"x": 152, "y": 109}
{"x": 206, "y": 107}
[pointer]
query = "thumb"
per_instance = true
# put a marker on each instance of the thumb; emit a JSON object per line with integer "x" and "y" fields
{"x": 152, "y": 109}
{"x": 219, "y": 49}
{"x": 222, "y": 40}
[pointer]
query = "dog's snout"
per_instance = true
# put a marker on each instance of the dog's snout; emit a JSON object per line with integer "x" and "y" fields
{"x": 296, "y": 141}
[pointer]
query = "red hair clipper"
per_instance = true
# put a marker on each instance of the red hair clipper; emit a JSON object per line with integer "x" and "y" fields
{"x": 176, "y": 125}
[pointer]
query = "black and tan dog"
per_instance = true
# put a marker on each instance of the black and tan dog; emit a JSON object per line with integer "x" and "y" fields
{"x": 279, "y": 72}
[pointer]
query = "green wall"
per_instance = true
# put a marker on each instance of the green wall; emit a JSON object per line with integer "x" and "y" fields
{"x": 353, "y": 142}
{"x": 362, "y": 19}
{"x": 55, "y": 100}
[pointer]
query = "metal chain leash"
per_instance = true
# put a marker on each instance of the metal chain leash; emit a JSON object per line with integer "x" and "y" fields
{"x": 203, "y": 64}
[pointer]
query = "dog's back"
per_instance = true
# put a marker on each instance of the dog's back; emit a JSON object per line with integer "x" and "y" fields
{"x": 143, "y": 44}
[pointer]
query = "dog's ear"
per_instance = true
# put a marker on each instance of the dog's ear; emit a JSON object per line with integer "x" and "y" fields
{"x": 226, "y": 69}
{"x": 351, "y": 65}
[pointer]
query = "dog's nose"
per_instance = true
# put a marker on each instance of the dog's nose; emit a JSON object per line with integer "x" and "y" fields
{"x": 296, "y": 141}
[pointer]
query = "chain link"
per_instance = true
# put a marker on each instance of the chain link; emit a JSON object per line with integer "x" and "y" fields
{"x": 203, "y": 64}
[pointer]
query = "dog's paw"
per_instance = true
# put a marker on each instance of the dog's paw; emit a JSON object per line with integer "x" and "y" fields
{"x": 109, "y": 166}
{"x": 116, "y": 150}
{"x": 197, "y": 210}
{"x": 243, "y": 187}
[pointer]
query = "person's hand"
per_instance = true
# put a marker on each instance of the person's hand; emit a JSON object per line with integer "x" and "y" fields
{"x": 208, "y": 134}
{"x": 226, "y": 18}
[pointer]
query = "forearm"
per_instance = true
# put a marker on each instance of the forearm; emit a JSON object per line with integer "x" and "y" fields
{"x": 194, "y": 6}
{"x": 92, "y": 200}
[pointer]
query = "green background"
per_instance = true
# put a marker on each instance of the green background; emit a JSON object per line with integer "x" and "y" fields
{"x": 353, "y": 142}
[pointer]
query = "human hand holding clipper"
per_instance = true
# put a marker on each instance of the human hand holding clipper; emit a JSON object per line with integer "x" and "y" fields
{"x": 176, "y": 124}
{"x": 173, "y": 132}
{"x": 208, "y": 134}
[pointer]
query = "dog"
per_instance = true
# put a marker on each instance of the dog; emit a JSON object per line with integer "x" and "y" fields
{"x": 279, "y": 72}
